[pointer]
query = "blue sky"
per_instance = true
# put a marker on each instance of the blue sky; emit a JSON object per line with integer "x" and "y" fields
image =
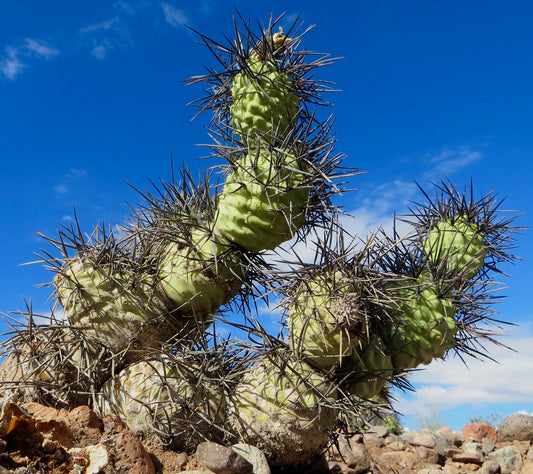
{"x": 91, "y": 98}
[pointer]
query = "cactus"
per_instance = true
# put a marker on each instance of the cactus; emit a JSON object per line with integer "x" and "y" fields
{"x": 156, "y": 395}
{"x": 263, "y": 201}
{"x": 368, "y": 369}
{"x": 458, "y": 245}
{"x": 264, "y": 103}
{"x": 320, "y": 321}
{"x": 427, "y": 330}
{"x": 123, "y": 310}
{"x": 200, "y": 277}
{"x": 284, "y": 408}
{"x": 142, "y": 310}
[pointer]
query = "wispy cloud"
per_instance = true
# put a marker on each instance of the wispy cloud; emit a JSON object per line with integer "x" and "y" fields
{"x": 74, "y": 174}
{"x": 107, "y": 36}
{"x": 16, "y": 58}
{"x": 174, "y": 15}
{"x": 40, "y": 48}
{"x": 451, "y": 160}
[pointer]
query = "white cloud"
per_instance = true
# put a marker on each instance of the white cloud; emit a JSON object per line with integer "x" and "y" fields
{"x": 11, "y": 67}
{"x": 16, "y": 57}
{"x": 450, "y": 383}
{"x": 40, "y": 48}
{"x": 451, "y": 160}
{"x": 173, "y": 15}
{"x": 102, "y": 26}
{"x": 107, "y": 36}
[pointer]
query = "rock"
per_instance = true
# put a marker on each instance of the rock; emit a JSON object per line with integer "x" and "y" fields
{"x": 371, "y": 439}
{"x": 430, "y": 470}
{"x": 378, "y": 430}
{"x": 354, "y": 455}
{"x": 472, "y": 447}
{"x": 428, "y": 455}
{"x": 465, "y": 457}
{"x": 126, "y": 451}
{"x": 490, "y": 467}
{"x": 529, "y": 454}
{"x": 400, "y": 459}
{"x": 423, "y": 439}
{"x": 398, "y": 445}
{"x": 516, "y": 427}
{"x": 254, "y": 456}
{"x": 487, "y": 446}
{"x": 478, "y": 431}
{"x": 222, "y": 459}
{"x": 509, "y": 458}
{"x": 442, "y": 443}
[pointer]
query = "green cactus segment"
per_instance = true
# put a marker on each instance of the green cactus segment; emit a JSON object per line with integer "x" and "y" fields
{"x": 318, "y": 325}
{"x": 119, "y": 309}
{"x": 153, "y": 394}
{"x": 371, "y": 368}
{"x": 263, "y": 201}
{"x": 458, "y": 244}
{"x": 202, "y": 276}
{"x": 281, "y": 410}
{"x": 263, "y": 101}
{"x": 427, "y": 328}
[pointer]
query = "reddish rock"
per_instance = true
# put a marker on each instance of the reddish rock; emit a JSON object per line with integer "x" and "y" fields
{"x": 468, "y": 458}
{"x": 478, "y": 431}
{"x": 87, "y": 427}
{"x": 125, "y": 448}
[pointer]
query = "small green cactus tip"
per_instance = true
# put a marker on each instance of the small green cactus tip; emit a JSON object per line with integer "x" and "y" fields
{"x": 264, "y": 103}
{"x": 458, "y": 245}
{"x": 427, "y": 327}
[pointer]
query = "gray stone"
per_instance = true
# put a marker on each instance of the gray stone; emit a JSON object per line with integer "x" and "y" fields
{"x": 254, "y": 456}
{"x": 222, "y": 459}
{"x": 516, "y": 427}
{"x": 490, "y": 467}
{"x": 473, "y": 447}
{"x": 442, "y": 443}
{"x": 430, "y": 470}
{"x": 509, "y": 458}
{"x": 487, "y": 446}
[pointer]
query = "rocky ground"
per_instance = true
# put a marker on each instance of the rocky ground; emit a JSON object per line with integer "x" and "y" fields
{"x": 37, "y": 439}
